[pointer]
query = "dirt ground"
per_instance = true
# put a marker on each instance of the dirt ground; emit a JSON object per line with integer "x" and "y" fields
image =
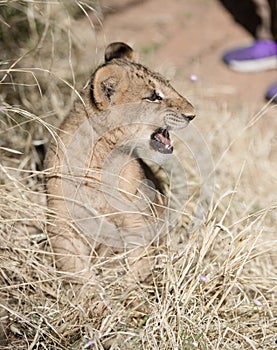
{"x": 183, "y": 38}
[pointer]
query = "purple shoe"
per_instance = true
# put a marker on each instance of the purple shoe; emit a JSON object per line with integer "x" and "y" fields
{"x": 262, "y": 55}
{"x": 271, "y": 93}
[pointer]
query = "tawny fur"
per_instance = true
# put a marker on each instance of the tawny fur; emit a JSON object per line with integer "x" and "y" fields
{"x": 95, "y": 166}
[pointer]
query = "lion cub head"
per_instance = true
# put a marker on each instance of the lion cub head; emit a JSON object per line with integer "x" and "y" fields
{"x": 122, "y": 81}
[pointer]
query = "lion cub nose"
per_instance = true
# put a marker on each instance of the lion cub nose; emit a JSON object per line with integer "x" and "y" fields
{"x": 188, "y": 112}
{"x": 188, "y": 117}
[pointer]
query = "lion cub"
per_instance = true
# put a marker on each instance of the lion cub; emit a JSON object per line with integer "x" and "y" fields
{"x": 103, "y": 195}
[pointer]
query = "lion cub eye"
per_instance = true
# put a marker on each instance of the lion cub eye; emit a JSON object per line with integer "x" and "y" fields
{"x": 155, "y": 96}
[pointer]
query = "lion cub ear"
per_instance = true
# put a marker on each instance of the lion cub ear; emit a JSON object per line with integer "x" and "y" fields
{"x": 107, "y": 86}
{"x": 120, "y": 50}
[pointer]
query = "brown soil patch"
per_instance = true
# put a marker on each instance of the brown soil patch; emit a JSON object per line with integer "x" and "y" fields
{"x": 184, "y": 38}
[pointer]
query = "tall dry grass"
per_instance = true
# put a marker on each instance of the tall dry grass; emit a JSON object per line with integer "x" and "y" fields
{"x": 211, "y": 288}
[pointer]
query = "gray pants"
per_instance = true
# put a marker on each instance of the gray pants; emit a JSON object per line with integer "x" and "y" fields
{"x": 259, "y": 17}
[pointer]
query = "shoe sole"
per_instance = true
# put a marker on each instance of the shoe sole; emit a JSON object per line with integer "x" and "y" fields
{"x": 272, "y": 98}
{"x": 254, "y": 65}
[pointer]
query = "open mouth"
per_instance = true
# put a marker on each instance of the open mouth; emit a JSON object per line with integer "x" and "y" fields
{"x": 160, "y": 141}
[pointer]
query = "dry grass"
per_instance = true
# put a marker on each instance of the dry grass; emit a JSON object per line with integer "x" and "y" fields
{"x": 212, "y": 288}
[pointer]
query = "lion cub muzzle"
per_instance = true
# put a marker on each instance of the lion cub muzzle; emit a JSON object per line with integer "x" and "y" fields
{"x": 160, "y": 139}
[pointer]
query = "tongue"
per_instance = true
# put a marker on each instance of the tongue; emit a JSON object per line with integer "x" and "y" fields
{"x": 160, "y": 141}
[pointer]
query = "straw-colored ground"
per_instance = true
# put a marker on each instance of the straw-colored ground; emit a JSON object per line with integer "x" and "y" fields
{"x": 212, "y": 286}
